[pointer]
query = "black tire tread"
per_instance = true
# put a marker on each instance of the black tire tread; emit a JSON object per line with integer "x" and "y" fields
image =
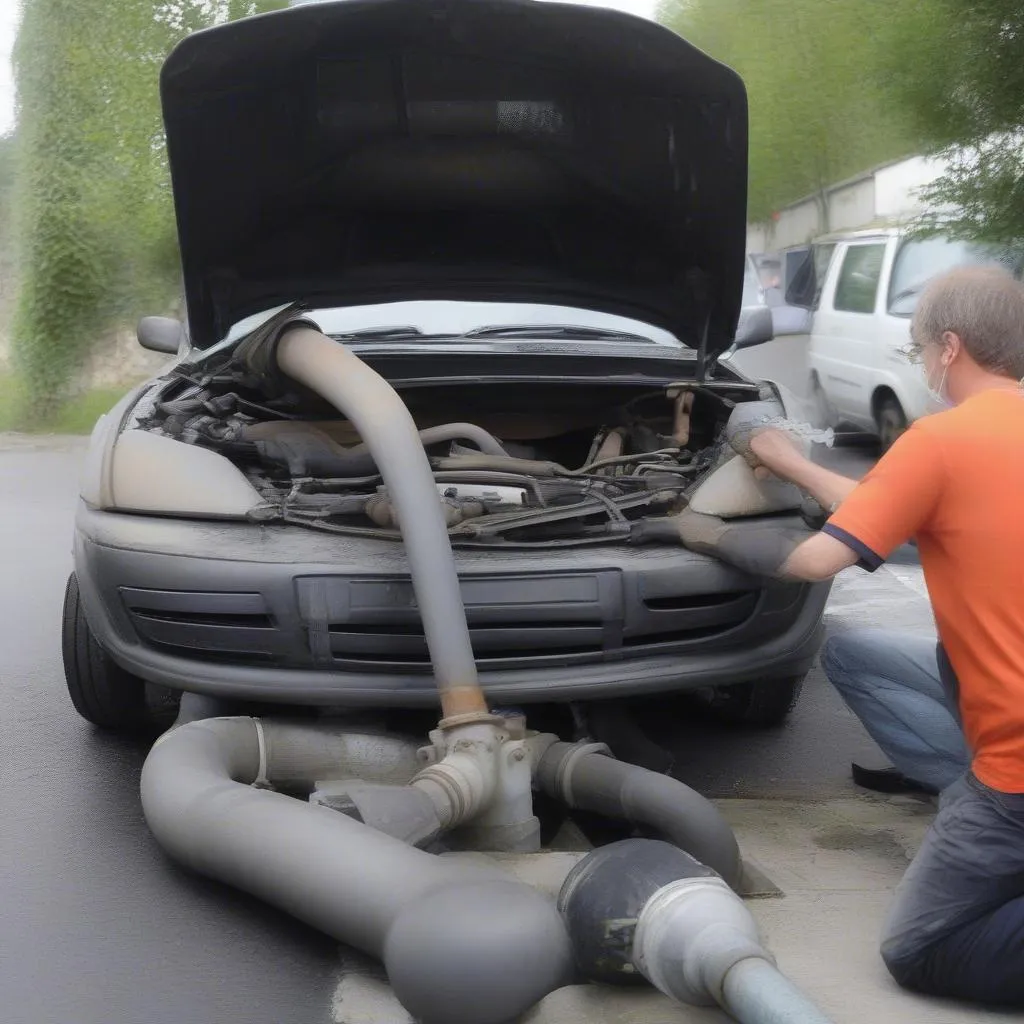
{"x": 762, "y": 704}
{"x": 102, "y": 692}
{"x": 893, "y": 403}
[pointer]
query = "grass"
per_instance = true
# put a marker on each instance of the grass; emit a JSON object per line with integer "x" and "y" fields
{"x": 76, "y": 416}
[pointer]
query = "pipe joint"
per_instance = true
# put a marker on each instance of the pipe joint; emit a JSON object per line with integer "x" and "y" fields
{"x": 459, "y": 786}
{"x": 564, "y": 771}
{"x": 688, "y": 937}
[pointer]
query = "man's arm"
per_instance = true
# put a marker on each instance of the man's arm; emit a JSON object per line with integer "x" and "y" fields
{"x": 776, "y": 453}
{"x": 819, "y": 558}
{"x": 877, "y": 515}
{"x": 890, "y": 505}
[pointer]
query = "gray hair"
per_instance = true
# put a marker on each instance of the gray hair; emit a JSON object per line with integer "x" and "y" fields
{"x": 984, "y": 307}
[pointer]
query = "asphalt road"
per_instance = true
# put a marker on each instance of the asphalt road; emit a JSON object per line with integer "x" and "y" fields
{"x": 98, "y": 927}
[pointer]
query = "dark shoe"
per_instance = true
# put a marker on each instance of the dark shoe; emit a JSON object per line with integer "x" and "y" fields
{"x": 887, "y": 780}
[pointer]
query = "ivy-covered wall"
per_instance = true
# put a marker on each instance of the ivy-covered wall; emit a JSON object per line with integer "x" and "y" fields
{"x": 94, "y": 225}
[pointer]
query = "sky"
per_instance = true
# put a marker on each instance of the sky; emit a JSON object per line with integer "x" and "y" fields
{"x": 10, "y": 10}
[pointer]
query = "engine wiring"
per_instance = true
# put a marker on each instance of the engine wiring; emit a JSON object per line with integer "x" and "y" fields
{"x": 318, "y": 474}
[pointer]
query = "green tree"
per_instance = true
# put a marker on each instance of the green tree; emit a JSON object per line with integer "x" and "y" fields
{"x": 818, "y": 114}
{"x": 957, "y": 68}
{"x": 92, "y": 195}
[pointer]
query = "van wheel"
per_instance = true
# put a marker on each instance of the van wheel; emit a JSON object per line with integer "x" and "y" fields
{"x": 820, "y": 405}
{"x": 892, "y": 422}
{"x": 102, "y": 692}
{"x": 760, "y": 705}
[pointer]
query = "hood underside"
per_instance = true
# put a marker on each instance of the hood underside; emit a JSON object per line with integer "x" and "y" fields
{"x": 497, "y": 150}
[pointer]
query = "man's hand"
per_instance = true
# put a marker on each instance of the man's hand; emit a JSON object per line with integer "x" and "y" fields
{"x": 760, "y": 549}
{"x": 775, "y": 453}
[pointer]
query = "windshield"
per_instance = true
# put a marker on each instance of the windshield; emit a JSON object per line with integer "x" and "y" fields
{"x": 451, "y": 321}
{"x": 921, "y": 259}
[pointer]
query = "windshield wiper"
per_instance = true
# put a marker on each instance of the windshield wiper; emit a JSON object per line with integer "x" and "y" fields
{"x": 387, "y": 334}
{"x": 907, "y": 293}
{"x": 555, "y": 331}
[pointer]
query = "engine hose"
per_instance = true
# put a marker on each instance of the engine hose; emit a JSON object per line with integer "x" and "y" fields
{"x": 486, "y": 442}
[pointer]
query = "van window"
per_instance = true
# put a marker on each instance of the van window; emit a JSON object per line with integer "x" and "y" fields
{"x": 822, "y": 255}
{"x": 920, "y": 259}
{"x": 804, "y": 276}
{"x": 857, "y": 287}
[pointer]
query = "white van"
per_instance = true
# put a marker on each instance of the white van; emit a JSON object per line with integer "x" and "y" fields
{"x": 862, "y": 288}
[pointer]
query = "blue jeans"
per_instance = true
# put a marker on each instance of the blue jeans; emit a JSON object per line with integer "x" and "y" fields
{"x": 956, "y": 927}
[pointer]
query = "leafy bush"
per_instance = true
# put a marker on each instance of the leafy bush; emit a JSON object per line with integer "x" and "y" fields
{"x": 96, "y": 238}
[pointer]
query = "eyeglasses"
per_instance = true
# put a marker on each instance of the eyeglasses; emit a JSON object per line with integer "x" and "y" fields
{"x": 913, "y": 351}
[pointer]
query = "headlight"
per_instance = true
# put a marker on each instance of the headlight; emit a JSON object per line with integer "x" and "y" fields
{"x": 152, "y": 473}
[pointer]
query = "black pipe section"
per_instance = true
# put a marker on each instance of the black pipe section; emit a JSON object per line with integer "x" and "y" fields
{"x": 602, "y": 897}
{"x": 680, "y": 815}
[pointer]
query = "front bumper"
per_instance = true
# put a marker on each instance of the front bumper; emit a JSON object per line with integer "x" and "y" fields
{"x": 281, "y": 614}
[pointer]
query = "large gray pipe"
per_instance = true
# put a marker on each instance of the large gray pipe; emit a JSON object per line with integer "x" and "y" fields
{"x": 592, "y": 781}
{"x": 388, "y": 430}
{"x": 462, "y": 944}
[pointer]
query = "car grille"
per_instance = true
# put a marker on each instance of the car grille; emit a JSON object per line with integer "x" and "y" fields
{"x": 201, "y": 623}
{"x": 364, "y": 623}
{"x": 372, "y": 624}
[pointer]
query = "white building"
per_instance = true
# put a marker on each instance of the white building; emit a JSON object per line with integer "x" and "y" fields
{"x": 886, "y": 195}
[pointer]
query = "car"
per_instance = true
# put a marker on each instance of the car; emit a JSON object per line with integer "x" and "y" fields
{"x": 493, "y": 222}
{"x": 863, "y": 288}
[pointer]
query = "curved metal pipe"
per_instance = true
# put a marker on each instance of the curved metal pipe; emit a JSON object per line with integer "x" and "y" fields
{"x": 499, "y": 464}
{"x": 389, "y": 432}
{"x": 462, "y": 943}
{"x": 485, "y": 441}
{"x": 586, "y": 778}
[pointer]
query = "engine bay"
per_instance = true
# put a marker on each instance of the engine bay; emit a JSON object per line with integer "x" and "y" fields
{"x": 515, "y": 463}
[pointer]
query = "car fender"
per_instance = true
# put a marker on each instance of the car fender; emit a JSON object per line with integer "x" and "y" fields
{"x": 95, "y": 486}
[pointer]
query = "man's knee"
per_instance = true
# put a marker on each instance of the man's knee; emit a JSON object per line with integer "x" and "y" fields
{"x": 909, "y": 965}
{"x": 981, "y": 961}
{"x": 846, "y": 655}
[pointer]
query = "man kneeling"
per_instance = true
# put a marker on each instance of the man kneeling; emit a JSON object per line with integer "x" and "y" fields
{"x": 950, "y": 716}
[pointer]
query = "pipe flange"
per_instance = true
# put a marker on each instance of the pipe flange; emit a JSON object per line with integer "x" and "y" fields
{"x": 563, "y": 775}
{"x": 261, "y": 781}
{"x": 470, "y": 718}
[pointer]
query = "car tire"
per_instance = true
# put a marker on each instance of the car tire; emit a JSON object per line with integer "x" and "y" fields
{"x": 761, "y": 704}
{"x": 891, "y": 421}
{"x": 820, "y": 405}
{"x": 102, "y": 692}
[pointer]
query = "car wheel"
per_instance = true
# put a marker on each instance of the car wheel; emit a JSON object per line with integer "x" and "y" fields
{"x": 892, "y": 422}
{"x": 104, "y": 693}
{"x": 761, "y": 704}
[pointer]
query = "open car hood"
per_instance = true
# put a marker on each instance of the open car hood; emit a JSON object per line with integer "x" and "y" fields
{"x": 495, "y": 150}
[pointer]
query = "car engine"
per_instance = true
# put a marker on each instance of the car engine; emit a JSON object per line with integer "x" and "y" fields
{"x": 518, "y": 463}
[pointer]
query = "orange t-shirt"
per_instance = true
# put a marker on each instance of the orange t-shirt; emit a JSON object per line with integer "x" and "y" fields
{"x": 955, "y": 482}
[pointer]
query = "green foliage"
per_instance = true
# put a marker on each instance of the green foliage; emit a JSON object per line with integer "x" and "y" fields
{"x": 78, "y": 415}
{"x": 92, "y": 196}
{"x": 957, "y": 68}
{"x": 817, "y": 112}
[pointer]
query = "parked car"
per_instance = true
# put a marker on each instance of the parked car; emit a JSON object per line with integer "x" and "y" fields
{"x": 863, "y": 288}
{"x": 492, "y": 221}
